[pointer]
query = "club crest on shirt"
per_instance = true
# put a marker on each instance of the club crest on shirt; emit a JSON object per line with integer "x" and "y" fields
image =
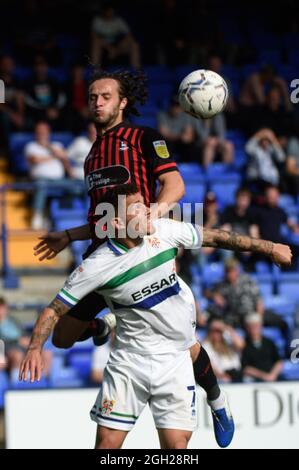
{"x": 107, "y": 406}
{"x": 161, "y": 148}
{"x": 154, "y": 242}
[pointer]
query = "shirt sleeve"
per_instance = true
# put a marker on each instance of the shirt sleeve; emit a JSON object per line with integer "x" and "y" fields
{"x": 29, "y": 149}
{"x": 179, "y": 234}
{"x": 155, "y": 150}
{"x": 82, "y": 281}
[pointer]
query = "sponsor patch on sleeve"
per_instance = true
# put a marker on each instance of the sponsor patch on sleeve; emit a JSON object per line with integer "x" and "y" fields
{"x": 161, "y": 148}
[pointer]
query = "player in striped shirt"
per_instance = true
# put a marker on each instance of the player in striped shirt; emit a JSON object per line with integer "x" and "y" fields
{"x": 155, "y": 328}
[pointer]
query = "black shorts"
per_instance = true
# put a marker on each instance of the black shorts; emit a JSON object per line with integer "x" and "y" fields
{"x": 88, "y": 308}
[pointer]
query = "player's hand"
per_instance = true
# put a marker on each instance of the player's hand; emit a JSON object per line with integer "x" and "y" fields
{"x": 281, "y": 254}
{"x": 50, "y": 245}
{"x": 32, "y": 365}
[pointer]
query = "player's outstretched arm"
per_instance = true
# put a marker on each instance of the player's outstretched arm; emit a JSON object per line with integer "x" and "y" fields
{"x": 54, "y": 242}
{"x": 32, "y": 363}
{"x": 279, "y": 253}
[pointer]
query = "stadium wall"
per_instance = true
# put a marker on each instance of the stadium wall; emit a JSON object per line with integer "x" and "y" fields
{"x": 266, "y": 415}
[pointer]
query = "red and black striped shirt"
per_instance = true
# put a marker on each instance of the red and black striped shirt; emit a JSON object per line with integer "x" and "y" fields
{"x": 126, "y": 153}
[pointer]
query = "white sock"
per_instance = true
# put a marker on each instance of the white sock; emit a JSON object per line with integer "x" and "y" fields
{"x": 219, "y": 403}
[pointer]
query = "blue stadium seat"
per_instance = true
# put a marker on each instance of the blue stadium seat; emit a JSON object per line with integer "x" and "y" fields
{"x": 3, "y": 387}
{"x": 262, "y": 267}
{"x": 288, "y": 286}
{"x": 58, "y": 74}
{"x": 230, "y": 71}
{"x": 280, "y": 304}
{"x": 270, "y": 56}
{"x": 287, "y": 203}
{"x": 222, "y": 173}
{"x": 265, "y": 285}
{"x": 276, "y": 336}
{"x": 17, "y": 142}
{"x": 66, "y": 377}
{"x": 191, "y": 172}
{"x": 225, "y": 192}
{"x": 161, "y": 93}
{"x": 158, "y": 74}
{"x": 60, "y": 209}
{"x": 64, "y": 224}
{"x": 249, "y": 69}
{"x": 22, "y": 73}
{"x": 290, "y": 370}
{"x": 181, "y": 71}
{"x": 146, "y": 121}
{"x": 212, "y": 273}
{"x": 81, "y": 362}
{"x": 65, "y": 138}
{"x": 293, "y": 58}
{"x": 195, "y": 192}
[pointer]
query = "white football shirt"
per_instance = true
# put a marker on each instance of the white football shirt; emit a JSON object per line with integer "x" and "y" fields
{"x": 155, "y": 309}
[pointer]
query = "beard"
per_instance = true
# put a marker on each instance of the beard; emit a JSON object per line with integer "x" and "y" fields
{"x": 107, "y": 120}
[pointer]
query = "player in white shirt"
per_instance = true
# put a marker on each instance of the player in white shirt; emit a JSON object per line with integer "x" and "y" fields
{"x": 155, "y": 313}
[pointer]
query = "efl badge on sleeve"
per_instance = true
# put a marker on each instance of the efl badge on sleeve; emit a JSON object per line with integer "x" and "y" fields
{"x": 161, "y": 148}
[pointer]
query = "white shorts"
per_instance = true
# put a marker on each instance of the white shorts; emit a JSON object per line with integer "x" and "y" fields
{"x": 165, "y": 381}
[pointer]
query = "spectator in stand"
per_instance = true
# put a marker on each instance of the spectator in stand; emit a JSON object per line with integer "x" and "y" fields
{"x": 239, "y": 217}
{"x": 12, "y": 111}
{"x": 265, "y": 156}
{"x": 77, "y": 99}
{"x": 292, "y": 166}
{"x": 260, "y": 360}
{"x": 111, "y": 34}
{"x": 238, "y": 295}
{"x": 100, "y": 358}
{"x": 16, "y": 342}
{"x": 210, "y": 138}
{"x": 47, "y": 163}
{"x": 224, "y": 346}
{"x": 269, "y": 219}
{"x": 79, "y": 150}
{"x": 254, "y": 91}
{"x": 44, "y": 97}
{"x": 176, "y": 127}
{"x": 274, "y": 115}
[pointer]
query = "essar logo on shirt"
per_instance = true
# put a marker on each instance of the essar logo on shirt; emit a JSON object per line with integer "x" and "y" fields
{"x": 161, "y": 148}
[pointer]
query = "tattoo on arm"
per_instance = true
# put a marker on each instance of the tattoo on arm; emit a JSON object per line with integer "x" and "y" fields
{"x": 46, "y": 323}
{"x": 235, "y": 242}
{"x": 59, "y": 308}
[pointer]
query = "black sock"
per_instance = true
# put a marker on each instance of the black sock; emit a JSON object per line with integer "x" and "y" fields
{"x": 96, "y": 327}
{"x": 204, "y": 375}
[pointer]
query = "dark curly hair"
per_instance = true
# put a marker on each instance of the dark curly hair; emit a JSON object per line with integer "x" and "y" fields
{"x": 132, "y": 85}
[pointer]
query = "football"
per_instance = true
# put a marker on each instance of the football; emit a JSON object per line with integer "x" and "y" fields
{"x": 203, "y": 94}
